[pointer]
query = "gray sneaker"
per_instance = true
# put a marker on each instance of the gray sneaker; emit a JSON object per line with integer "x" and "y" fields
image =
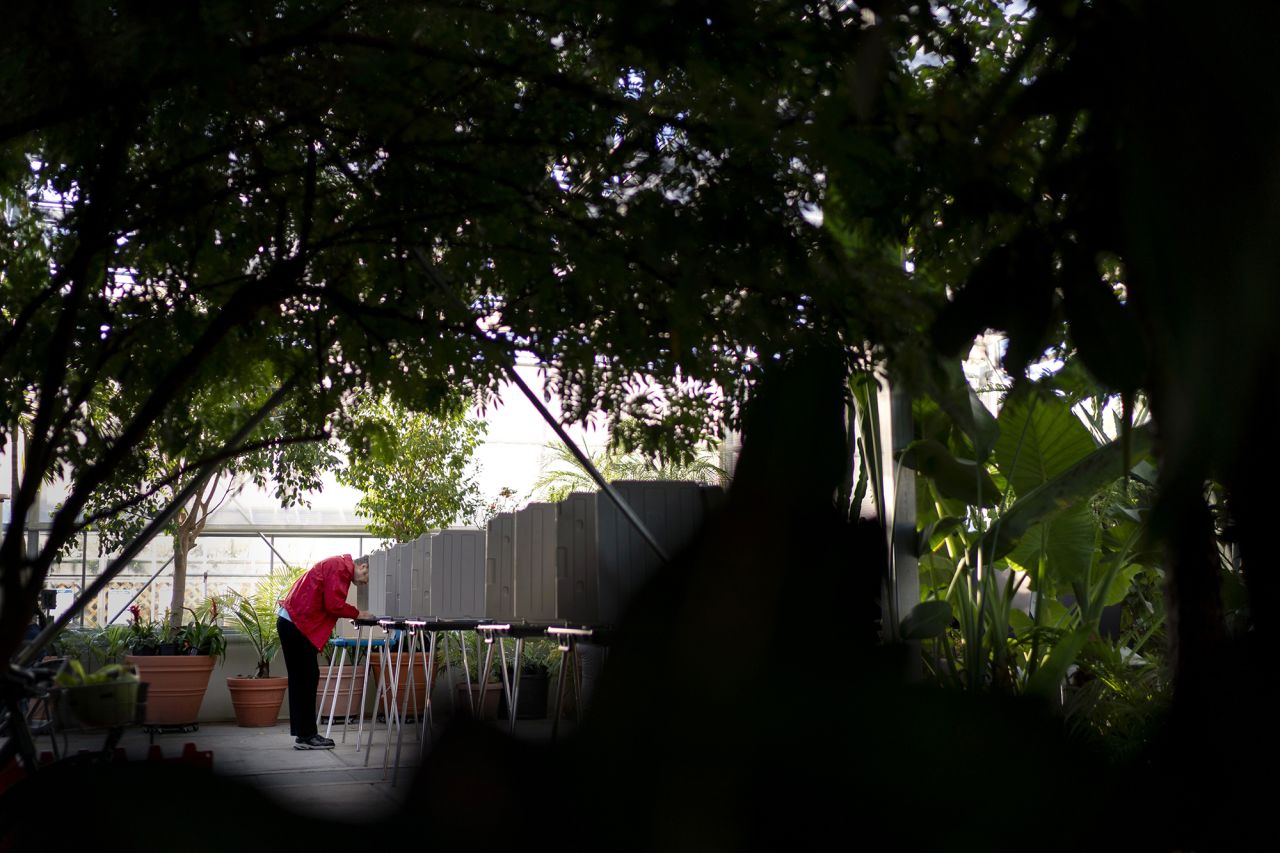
{"x": 313, "y": 742}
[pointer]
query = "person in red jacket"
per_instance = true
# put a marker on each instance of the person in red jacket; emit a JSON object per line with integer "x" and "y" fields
{"x": 305, "y": 621}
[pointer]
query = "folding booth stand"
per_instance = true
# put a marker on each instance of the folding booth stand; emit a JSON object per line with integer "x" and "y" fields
{"x": 569, "y": 639}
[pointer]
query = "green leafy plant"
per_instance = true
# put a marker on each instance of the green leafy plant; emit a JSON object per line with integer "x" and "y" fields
{"x": 204, "y": 635}
{"x": 564, "y": 474}
{"x": 75, "y": 674}
{"x": 540, "y": 656}
{"x": 451, "y": 656}
{"x": 254, "y": 614}
{"x": 143, "y": 635}
{"x": 94, "y": 647}
{"x": 1026, "y": 507}
{"x": 414, "y": 469}
{"x": 201, "y": 636}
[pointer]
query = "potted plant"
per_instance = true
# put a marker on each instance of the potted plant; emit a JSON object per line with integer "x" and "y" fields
{"x": 488, "y": 709}
{"x": 539, "y": 664}
{"x": 257, "y": 698}
{"x": 104, "y": 698}
{"x": 175, "y": 664}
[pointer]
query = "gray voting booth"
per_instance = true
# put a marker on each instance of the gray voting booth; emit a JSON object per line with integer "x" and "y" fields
{"x": 615, "y": 557}
{"x": 565, "y": 570}
{"x": 393, "y": 583}
{"x": 400, "y": 580}
{"x": 578, "y": 561}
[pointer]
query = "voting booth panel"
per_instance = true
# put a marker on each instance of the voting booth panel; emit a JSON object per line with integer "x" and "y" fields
{"x": 535, "y": 563}
{"x": 393, "y": 583}
{"x": 577, "y": 558}
{"x": 457, "y": 574}
{"x": 378, "y": 583}
{"x": 420, "y": 577}
{"x": 673, "y": 512}
{"x": 500, "y": 557}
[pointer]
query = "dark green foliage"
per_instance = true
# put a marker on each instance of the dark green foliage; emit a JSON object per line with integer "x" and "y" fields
{"x": 415, "y": 470}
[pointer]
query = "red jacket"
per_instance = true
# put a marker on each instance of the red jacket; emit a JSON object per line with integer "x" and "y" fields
{"x": 319, "y": 598}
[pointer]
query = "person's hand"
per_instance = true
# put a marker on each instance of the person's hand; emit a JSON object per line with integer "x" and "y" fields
{"x": 366, "y": 614}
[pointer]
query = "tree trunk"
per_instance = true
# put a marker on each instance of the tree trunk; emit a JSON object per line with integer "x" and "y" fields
{"x": 181, "y": 547}
{"x": 13, "y": 467}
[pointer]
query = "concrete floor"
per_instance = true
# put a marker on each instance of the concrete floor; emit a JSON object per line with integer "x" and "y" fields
{"x": 336, "y": 784}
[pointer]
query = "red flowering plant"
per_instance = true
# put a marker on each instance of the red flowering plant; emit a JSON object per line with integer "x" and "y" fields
{"x": 203, "y": 636}
{"x": 143, "y": 637}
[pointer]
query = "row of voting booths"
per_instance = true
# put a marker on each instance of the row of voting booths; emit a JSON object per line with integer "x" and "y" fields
{"x": 566, "y": 570}
{"x": 576, "y": 562}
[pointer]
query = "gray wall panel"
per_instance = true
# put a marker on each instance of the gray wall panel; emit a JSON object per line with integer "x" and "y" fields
{"x": 392, "y": 606}
{"x": 404, "y": 579}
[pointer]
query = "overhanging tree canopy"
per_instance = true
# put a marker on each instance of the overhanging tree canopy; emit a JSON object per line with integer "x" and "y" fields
{"x": 340, "y": 191}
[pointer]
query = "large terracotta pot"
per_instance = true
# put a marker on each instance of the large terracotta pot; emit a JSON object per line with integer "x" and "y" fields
{"x": 352, "y": 679}
{"x": 257, "y": 701}
{"x": 407, "y": 705}
{"x": 175, "y": 686}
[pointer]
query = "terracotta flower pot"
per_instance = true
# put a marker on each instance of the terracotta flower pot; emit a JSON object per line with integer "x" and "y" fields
{"x": 257, "y": 701}
{"x": 176, "y": 686}
{"x": 352, "y": 680}
{"x": 407, "y": 705}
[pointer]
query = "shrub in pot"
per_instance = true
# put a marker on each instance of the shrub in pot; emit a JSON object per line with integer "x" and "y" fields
{"x": 257, "y": 698}
{"x": 175, "y": 663}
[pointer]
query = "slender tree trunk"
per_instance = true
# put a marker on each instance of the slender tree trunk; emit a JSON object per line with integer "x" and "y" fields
{"x": 178, "y": 600}
{"x": 190, "y": 525}
{"x": 13, "y": 466}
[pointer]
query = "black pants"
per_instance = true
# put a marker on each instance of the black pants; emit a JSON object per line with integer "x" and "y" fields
{"x": 304, "y": 677}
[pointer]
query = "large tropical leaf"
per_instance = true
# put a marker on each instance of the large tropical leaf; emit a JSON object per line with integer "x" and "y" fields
{"x": 1049, "y": 677}
{"x": 1040, "y": 437}
{"x": 1067, "y": 541}
{"x": 1120, "y": 584}
{"x": 926, "y": 619}
{"x": 1064, "y": 490}
{"x": 958, "y": 479}
{"x": 943, "y": 381}
{"x": 958, "y": 399}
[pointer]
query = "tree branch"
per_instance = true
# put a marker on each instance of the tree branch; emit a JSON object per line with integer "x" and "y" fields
{"x": 157, "y": 524}
{"x": 200, "y": 464}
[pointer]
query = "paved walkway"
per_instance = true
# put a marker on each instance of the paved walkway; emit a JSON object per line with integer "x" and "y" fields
{"x": 336, "y": 784}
